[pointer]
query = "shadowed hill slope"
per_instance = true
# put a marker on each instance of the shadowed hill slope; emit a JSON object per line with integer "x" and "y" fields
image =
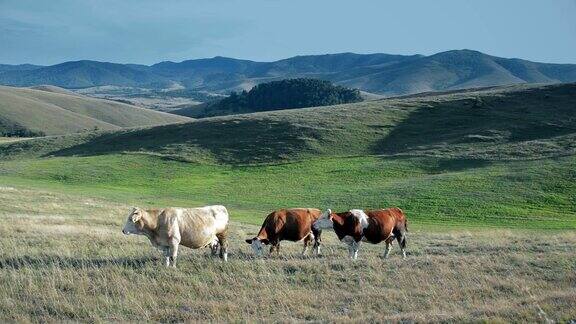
{"x": 48, "y": 112}
{"x": 517, "y": 122}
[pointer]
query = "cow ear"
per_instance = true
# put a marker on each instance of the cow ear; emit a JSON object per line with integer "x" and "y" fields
{"x": 249, "y": 241}
{"x": 136, "y": 217}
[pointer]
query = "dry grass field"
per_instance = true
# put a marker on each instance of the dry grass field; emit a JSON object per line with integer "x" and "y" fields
{"x": 63, "y": 258}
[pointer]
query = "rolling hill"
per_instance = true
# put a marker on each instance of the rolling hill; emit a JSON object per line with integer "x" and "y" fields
{"x": 32, "y": 112}
{"x": 383, "y": 74}
{"x": 18, "y": 67}
{"x": 512, "y": 122}
{"x": 54, "y": 89}
{"x": 82, "y": 74}
{"x": 498, "y": 157}
{"x": 457, "y": 70}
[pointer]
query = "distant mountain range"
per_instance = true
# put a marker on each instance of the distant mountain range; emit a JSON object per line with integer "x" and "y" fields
{"x": 382, "y": 74}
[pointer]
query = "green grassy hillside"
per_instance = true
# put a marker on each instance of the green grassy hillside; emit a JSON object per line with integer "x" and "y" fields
{"x": 496, "y": 157}
{"x": 518, "y": 122}
{"x": 52, "y": 113}
{"x": 433, "y": 191}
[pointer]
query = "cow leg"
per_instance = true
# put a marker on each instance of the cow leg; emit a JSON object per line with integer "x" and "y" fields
{"x": 350, "y": 251}
{"x": 307, "y": 240}
{"x": 317, "y": 248}
{"x": 222, "y": 241}
{"x": 351, "y": 242}
{"x": 274, "y": 248}
{"x": 355, "y": 248}
{"x": 214, "y": 249}
{"x": 173, "y": 252}
{"x": 166, "y": 253}
{"x": 402, "y": 242}
{"x": 316, "y": 242}
{"x": 388, "y": 248}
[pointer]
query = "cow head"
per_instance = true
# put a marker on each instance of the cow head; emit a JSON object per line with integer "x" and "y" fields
{"x": 324, "y": 221}
{"x": 134, "y": 223}
{"x": 257, "y": 245}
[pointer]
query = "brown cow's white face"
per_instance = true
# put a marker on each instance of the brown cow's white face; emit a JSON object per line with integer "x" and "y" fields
{"x": 257, "y": 246}
{"x": 324, "y": 221}
{"x": 131, "y": 226}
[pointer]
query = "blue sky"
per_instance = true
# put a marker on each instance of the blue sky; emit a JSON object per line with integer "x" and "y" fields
{"x": 150, "y": 31}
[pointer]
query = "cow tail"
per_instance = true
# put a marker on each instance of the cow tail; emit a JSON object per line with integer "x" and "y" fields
{"x": 406, "y": 224}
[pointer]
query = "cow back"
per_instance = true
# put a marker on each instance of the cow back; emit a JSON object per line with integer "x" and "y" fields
{"x": 290, "y": 224}
{"x": 199, "y": 226}
{"x": 382, "y": 223}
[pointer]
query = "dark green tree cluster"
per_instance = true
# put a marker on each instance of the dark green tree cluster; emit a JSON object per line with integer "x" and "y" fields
{"x": 15, "y": 130}
{"x": 287, "y": 94}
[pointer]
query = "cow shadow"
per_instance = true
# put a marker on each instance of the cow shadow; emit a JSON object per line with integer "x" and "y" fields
{"x": 46, "y": 261}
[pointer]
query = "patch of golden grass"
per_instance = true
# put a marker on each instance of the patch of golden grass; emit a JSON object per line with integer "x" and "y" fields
{"x": 12, "y": 139}
{"x": 71, "y": 264}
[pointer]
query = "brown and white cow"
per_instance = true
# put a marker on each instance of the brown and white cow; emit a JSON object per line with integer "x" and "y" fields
{"x": 293, "y": 224}
{"x": 191, "y": 227}
{"x": 373, "y": 226}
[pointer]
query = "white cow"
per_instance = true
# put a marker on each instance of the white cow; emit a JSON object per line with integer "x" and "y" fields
{"x": 191, "y": 227}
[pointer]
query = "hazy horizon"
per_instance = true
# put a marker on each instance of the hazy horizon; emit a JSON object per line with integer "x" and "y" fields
{"x": 148, "y": 32}
{"x": 248, "y": 59}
